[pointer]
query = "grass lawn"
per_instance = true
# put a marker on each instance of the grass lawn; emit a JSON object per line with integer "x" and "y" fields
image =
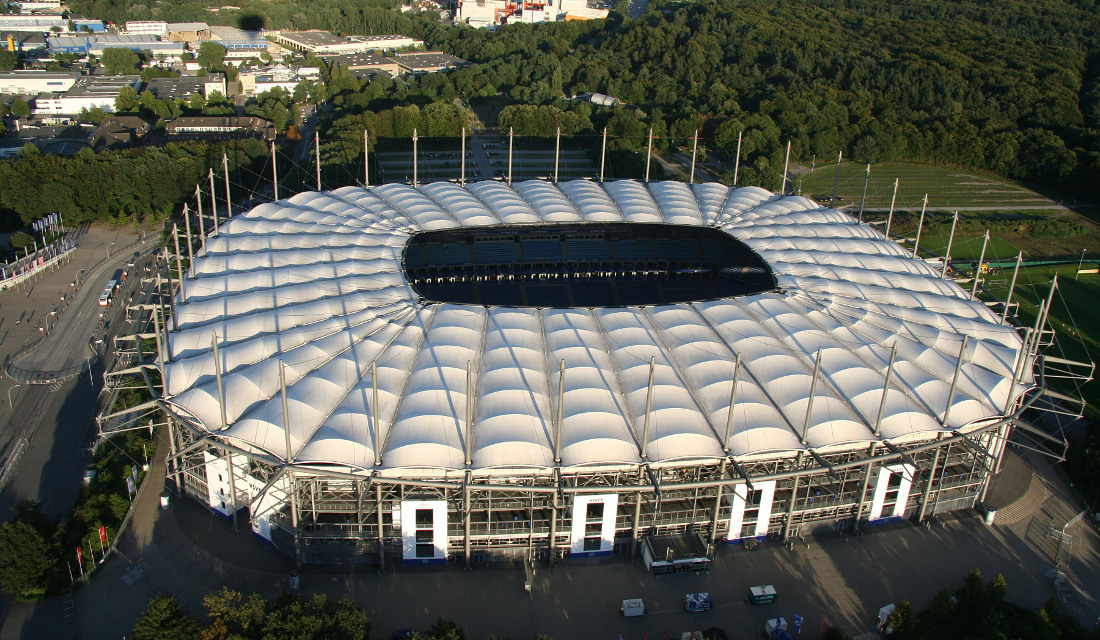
{"x": 993, "y": 201}
{"x": 970, "y": 248}
{"x": 946, "y": 187}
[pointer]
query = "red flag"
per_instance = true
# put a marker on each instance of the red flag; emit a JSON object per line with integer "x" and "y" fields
{"x": 103, "y": 534}
{"x": 79, "y": 556}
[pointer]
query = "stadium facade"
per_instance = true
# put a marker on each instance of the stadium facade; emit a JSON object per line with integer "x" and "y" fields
{"x": 449, "y": 373}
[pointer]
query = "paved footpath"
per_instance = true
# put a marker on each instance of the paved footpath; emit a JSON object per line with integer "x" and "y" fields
{"x": 188, "y": 552}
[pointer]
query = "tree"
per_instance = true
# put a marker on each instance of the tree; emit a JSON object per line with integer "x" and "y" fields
{"x": 8, "y": 60}
{"x": 443, "y": 630}
{"x": 127, "y": 100}
{"x": 26, "y": 559}
{"x": 20, "y": 108}
{"x": 211, "y": 56}
{"x": 903, "y": 619}
{"x": 163, "y": 620}
{"x": 94, "y": 115}
{"x": 120, "y": 61}
{"x": 148, "y": 102}
{"x": 19, "y": 239}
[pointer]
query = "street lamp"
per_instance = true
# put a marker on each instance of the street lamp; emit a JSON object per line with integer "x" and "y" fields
{"x": 52, "y": 313}
{"x": 10, "y": 389}
{"x": 109, "y": 250}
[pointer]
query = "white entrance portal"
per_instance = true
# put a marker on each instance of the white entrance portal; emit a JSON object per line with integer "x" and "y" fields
{"x": 892, "y": 491}
{"x": 424, "y": 531}
{"x": 593, "y": 532}
{"x": 218, "y": 486}
{"x": 752, "y": 510}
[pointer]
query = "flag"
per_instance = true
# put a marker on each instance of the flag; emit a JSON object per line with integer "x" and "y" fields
{"x": 103, "y": 534}
{"x": 79, "y": 556}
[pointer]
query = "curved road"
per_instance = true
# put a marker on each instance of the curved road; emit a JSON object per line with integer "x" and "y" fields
{"x": 56, "y": 420}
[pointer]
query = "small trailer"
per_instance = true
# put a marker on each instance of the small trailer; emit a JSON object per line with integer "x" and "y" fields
{"x": 698, "y": 602}
{"x": 633, "y": 607}
{"x": 776, "y": 628}
{"x": 763, "y": 594}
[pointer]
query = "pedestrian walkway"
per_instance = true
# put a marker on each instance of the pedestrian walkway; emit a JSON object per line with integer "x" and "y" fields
{"x": 836, "y": 579}
{"x": 1016, "y": 492}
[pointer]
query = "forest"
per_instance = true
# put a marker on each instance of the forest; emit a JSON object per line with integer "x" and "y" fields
{"x": 1012, "y": 88}
{"x": 134, "y": 184}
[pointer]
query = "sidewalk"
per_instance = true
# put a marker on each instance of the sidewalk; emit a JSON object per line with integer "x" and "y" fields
{"x": 839, "y": 580}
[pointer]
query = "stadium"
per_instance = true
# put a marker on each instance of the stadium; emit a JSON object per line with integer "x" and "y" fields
{"x": 453, "y": 374}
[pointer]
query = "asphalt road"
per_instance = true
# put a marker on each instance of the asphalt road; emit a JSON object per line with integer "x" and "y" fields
{"x": 58, "y": 420}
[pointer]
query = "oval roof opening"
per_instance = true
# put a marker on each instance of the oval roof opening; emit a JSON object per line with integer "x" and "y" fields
{"x": 582, "y": 265}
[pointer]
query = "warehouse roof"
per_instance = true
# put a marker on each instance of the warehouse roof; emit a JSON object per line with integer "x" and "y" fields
{"x": 318, "y": 282}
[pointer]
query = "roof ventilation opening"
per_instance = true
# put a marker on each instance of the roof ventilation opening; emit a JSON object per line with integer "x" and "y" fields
{"x": 582, "y": 265}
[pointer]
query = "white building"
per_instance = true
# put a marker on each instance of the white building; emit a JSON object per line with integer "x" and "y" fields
{"x": 27, "y": 6}
{"x": 33, "y": 82}
{"x": 89, "y": 92}
{"x": 481, "y": 13}
{"x": 33, "y": 22}
{"x": 323, "y": 43}
{"x": 147, "y": 27}
{"x": 281, "y": 76}
{"x": 388, "y": 42}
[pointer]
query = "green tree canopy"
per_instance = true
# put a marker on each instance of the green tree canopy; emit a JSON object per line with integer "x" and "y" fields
{"x": 26, "y": 559}
{"x": 120, "y": 61}
{"x": 211, "y": 56}
{"x": 127, "y": 100}
{"x": 20, "y": 108}
{"x": 9, "y": 60}
{"x": 164, "y": 620}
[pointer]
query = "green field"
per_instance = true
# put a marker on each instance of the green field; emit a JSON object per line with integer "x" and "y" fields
{"x": 1075, "y": 315}
{"x": 1019, "y": 219}
{"x": 946, "y": 187}
{"x": 970, "y": 247}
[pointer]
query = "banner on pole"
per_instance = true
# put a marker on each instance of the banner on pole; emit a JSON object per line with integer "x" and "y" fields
{"x": 80, "y": 556}
{"x": 130, "y": 484}
{"x": 103, "y": 534}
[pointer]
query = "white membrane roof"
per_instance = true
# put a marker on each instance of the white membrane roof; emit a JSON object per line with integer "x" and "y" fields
{"x": 373, "y": 372}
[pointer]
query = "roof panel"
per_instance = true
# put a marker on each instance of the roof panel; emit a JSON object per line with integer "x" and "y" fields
{"x": 315, "y": 281}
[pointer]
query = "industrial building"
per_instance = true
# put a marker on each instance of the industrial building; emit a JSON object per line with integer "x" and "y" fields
{"x": 454, "y": 373}
{"x": 47, "y": 22}
{"x": 88, "y": 92}
{"x": 147, "y": 27}
{"x": 277, "y": 76}
{"x": 323, "y": 43}
{"x": 29, "y": 82}
{"x": 23, "y": 41}
{"x": 97, "y": 44}
{"x": 483, "y": 13}
{"x": 366, "y": 62}
{"x": 422, "y": 62}
{"x": 219, "y": 128}
{"x": 183, "y": 87}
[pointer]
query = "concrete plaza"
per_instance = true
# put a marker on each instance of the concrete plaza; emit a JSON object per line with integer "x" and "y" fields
{"x": 188, "y": 552}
